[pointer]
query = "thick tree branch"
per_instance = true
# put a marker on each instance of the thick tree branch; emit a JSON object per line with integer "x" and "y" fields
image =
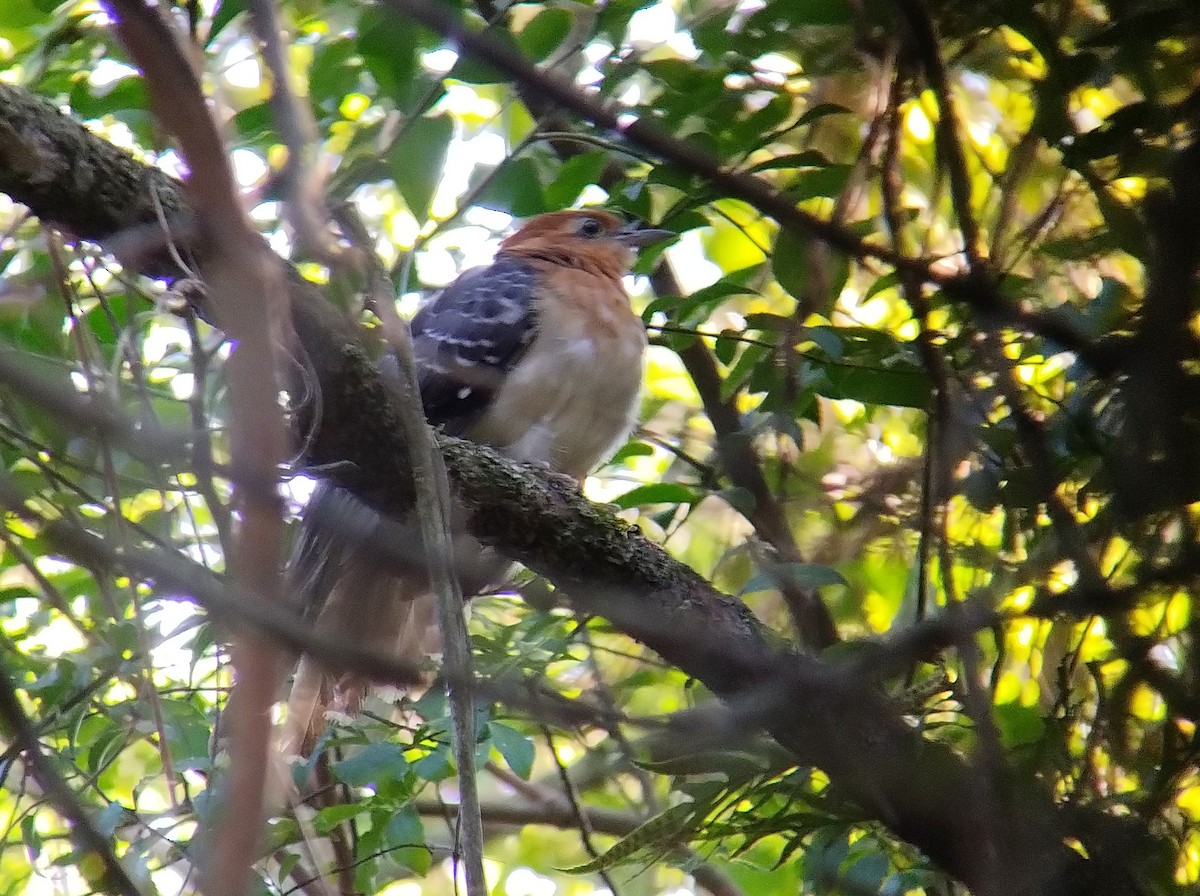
{"x": 237, "y": 264}
{"x": 735, "y": 448}
{"x": 824, "y": 713}
{"x": 973, "y": 289}
{"x": 85, "y": 185}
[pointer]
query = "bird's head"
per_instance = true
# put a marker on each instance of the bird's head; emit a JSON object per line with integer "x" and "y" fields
{"x": 593, "y": 237}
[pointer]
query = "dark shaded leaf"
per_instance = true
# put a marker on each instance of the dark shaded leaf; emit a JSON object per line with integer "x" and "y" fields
{"x": 515, "y": 747}
{"x": 657, "y": 493}
{"x": 516, "y": 188}
{"x": 544, "y": 32}
{"x": 805, "y": 575}
{"x": 416, "y": 162}
{"x": 374, "y": 764}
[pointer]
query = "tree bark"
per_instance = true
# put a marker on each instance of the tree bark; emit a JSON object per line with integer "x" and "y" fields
{"x": 997, "y": 837}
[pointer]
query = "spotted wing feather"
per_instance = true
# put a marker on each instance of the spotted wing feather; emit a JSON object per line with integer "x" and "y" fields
{"x": 469, "y": 337}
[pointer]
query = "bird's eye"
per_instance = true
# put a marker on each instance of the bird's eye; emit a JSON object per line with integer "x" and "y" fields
{"x": 590, "y": 227}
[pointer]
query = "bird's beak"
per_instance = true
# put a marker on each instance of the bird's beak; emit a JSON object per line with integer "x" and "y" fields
{"x": 635, "y": 236}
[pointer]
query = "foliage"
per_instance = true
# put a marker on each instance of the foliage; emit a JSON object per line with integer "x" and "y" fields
{"x": 1022, "y": 441}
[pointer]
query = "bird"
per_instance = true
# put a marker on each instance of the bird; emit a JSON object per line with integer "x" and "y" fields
{"x": 539, "y": 355}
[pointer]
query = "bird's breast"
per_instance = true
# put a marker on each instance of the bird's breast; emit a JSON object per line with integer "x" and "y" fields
{"x": 574, "y": 395}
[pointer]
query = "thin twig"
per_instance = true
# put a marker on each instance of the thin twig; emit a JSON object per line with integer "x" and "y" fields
{"x": 239, "y": 264}
{"x": 811, "y": 617}
{"x": 202, "y": 453}
{"x": 60, "y": 794}
{"x": 583, "y": 825}
{"x": 949, "y": 142}
{"x": 433, "y": 515}
{"x": 558, "y": 814}
{"x": 935, "y": 365}
{"x": 977, "y": 292}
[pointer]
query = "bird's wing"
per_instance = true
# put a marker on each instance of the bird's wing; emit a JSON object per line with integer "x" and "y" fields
{"x": 361, "y": 578}
{"x": 469, "y": 337}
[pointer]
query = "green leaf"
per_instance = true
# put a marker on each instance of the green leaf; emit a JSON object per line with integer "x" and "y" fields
{"x": 821, "y": 110}
{"x": 471, "y": 70}
{"x": 661, "y": 830}
{"x": 632, "y": 448}
{"x": 809, "y": 158}
{"x": 416, "y": 161}
{"x": 515, "y": 187}
{"x": 287, "y": 863}
{"x": 748, "y": 362}
{"x": 390, "y": 54}
{"x": 726, "y": 347}
{"x": 867, "y": 872}
{"x": 805, "y": 575}
{"x": 865, "y": 365}
{"x": 435, "y": 765}
{"x": 615, "y": 15}
{"x": 187, "y": 732}
{"x": 331, "y": 816}
{"x": 890, "y": 280}
{"x": 1019, "y": 724}
{"x": 730, "y": 764}
{"x": 906, "y": 388}
{"x": 692, "y": 87}
{"x": 697, "y": 307}
{"x": 375, "y": 764}
{"x": 826, "y": 852}
{"x": 789, "y": 261}
{"x": 658, "y": 493}
{"x": 576, "y": 173}
{"x": 544, "y": 32}
{"x": 123, "y": 96}
{"x": 30, "y": 836}
{"x": 21, "y": 14}
{"x": 815, "y": 12}
{"x": 106, "y": 820}
{"x": 254, "y": 123}
{"x": 335, "y": 71}
{"x": 515, "y": 747}
{"x": 829, "y": 181}
{"x": 1081, "y": 247}
{"x": 759, "y": 127}
{"x": 226, "y": 12}
{"x": 404, "y": 836}
{"x": 740, "y": 499}
{"x": 433, "y": 706}
{"x": 103, "y": 749}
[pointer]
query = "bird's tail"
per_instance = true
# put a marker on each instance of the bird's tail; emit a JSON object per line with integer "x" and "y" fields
{"x": 378, "y": 613}
{"x": 361, "y": 581}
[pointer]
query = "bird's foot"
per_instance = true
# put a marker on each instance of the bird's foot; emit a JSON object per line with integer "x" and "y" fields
{"x": 561, "y": 482}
